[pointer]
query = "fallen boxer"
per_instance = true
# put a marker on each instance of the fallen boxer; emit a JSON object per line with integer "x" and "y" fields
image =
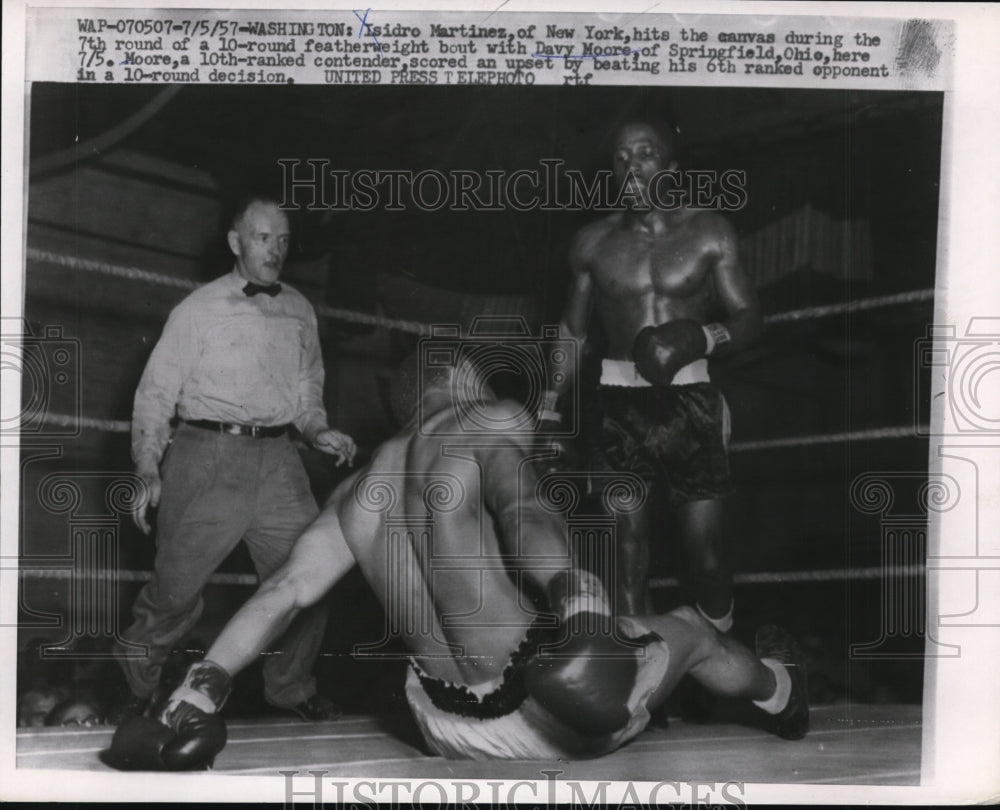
{"x": 539, "y": 668}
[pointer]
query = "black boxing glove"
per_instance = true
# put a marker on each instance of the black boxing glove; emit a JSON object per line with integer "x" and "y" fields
{"x": 661, "y": 351}
{"x": 186, "y": 734}
{"x": 586, "y": 679}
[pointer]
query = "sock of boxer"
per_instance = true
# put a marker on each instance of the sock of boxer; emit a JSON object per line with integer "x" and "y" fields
{"x": 723, "y": 623}
{"x": 783, "y": 688}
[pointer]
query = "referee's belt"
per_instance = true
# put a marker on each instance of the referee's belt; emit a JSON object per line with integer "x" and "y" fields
{"x": 230, "y": 429}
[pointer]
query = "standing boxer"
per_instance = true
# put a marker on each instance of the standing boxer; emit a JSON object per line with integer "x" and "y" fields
{"x": 667, "y": 285}
{"x": 513, "y": 652}
{"x": 239, "y": 364}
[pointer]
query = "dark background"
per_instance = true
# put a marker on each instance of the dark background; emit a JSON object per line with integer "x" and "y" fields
{"x": 141, "y": 176}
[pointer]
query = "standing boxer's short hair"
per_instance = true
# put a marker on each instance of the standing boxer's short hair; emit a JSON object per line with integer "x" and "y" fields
{"x": 667, "y": 131}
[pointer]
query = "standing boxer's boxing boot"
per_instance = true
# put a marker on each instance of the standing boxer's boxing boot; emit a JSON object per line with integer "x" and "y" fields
{"x": 787, "y": 712}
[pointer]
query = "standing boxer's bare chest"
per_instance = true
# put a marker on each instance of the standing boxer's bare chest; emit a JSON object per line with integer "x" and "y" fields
{"x": 675, "y": 264}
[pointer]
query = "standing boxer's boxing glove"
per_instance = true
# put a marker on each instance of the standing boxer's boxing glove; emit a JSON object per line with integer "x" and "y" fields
{"x": 661, "y": 351}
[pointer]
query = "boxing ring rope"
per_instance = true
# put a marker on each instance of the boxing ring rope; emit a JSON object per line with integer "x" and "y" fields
{"x": 138, "y": 274}
{"x": 754, "y": 578}
{"x": 415, "y": 327}
{"x": 875, "y": 302}
{"x": 87, "y": 423}
{"x": 873, "y": 434}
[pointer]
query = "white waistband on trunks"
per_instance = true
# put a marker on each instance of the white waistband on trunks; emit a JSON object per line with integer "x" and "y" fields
{"x": 624, "y": 372}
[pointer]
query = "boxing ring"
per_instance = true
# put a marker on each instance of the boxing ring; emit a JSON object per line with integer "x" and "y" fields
{"x": 847, "y": 745}
{"x": 856, "y": 744}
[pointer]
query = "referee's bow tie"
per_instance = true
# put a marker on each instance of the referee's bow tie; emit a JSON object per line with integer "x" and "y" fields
{"x": 251, "y": 289}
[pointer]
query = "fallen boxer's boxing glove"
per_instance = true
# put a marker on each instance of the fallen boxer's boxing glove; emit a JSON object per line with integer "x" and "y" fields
{"x": 585, "y": 680}
{"x": 661, "y": 351}
{"x": 186, "y": 734}
{"x": 146, "y": 744}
